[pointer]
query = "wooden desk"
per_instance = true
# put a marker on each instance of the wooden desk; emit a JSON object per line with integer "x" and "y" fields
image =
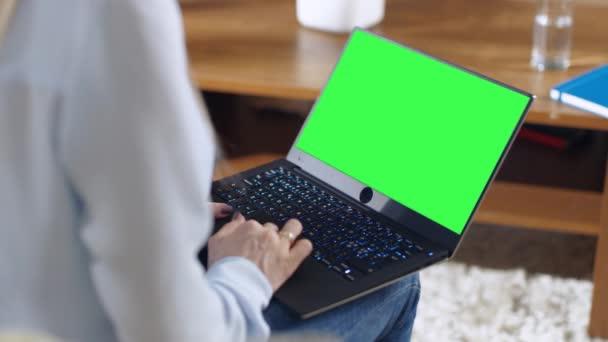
{"x": 256, "y": 47}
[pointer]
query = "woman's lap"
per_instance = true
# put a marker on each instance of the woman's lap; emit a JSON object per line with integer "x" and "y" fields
{"x": 387, "y": 313}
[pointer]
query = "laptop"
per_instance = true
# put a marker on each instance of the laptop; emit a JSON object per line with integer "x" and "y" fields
{"x": 386, "y": 172}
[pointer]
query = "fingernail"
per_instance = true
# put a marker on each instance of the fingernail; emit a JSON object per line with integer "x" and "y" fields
{"x": 236, "y": 215}
{"x": 227, "y": 210}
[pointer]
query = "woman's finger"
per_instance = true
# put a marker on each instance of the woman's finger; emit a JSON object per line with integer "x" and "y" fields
{"x": 271, "y": 225}
{"x": 237, "y": 220}
{"x": 221, "y": 210}
{"x": 300, "y": 250}
{"x": 290, "y": 231}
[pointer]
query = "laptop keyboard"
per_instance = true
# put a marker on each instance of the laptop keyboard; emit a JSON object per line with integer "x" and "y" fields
{"x": 345, "y": 240}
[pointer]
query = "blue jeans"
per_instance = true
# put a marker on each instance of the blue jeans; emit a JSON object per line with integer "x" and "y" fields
{"x": 386, "y": 315}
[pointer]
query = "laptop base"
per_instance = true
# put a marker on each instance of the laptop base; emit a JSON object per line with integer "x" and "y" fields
{"x": 323, "y": 281}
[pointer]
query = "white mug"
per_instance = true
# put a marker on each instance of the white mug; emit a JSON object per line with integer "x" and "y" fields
{"x": 339, "y": 16}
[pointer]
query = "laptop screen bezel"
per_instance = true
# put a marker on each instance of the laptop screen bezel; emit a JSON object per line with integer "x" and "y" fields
{"x": 383, "y": 204}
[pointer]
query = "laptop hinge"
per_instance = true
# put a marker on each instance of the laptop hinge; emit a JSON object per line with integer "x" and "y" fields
{"x": 355, "y": 203}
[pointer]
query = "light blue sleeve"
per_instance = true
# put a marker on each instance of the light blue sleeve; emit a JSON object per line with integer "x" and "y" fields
{"x": 241, "y": 281}
{"x": 139, "y": 152}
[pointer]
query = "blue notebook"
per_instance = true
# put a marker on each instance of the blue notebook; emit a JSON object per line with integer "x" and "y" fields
{"x": 588, "y": 91}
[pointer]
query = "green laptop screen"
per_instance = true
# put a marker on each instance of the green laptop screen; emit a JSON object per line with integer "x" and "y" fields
{"x": 422, "y": 132}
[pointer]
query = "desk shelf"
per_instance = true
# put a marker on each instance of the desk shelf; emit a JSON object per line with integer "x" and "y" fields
{"x": 541, "y": 207}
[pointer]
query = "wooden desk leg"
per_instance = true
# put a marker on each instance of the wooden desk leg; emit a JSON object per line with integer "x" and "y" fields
{"x": 598, "y": 324}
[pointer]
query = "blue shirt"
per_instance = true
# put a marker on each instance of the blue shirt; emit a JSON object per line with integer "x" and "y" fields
{"x": 105, "y": 169}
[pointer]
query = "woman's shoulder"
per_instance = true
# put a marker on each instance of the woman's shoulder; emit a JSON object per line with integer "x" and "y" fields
{"x": 43, "y": 39}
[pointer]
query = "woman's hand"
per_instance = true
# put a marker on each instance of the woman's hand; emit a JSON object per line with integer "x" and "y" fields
{"x": 274, "y": 253}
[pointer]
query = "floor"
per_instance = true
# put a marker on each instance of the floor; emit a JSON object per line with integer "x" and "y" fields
{"x": 499, "y": 247}
{"x": 465, "y": 303}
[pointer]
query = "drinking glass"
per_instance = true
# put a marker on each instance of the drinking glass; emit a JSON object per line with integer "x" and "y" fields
{"x": 552, "y": 34}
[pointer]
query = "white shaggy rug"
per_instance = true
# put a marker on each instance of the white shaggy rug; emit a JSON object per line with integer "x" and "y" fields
{"x": 469, "y": 303}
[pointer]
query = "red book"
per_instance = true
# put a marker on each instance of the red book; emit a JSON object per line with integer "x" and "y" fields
{"x": 558, "y": 143}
